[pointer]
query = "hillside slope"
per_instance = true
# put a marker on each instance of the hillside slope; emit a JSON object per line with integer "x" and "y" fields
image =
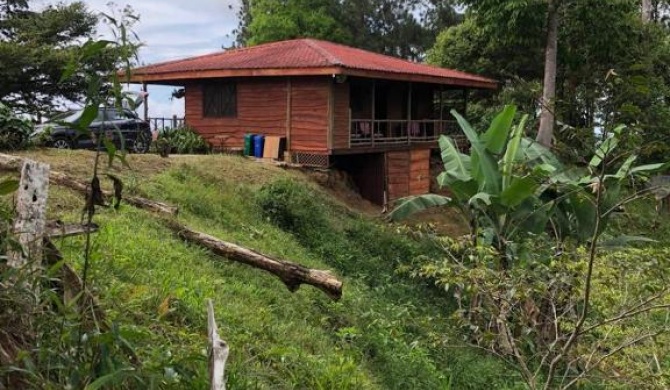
{"x": 386, "y": 332}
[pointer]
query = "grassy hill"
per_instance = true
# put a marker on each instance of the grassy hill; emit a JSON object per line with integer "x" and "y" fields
{"x": 387, "y": 332}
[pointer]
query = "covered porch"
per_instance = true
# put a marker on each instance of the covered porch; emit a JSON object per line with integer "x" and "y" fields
{"x": 387, "y": 112}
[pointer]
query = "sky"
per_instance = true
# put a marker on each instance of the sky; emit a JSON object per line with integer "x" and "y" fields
{"x": 174, "y": 29}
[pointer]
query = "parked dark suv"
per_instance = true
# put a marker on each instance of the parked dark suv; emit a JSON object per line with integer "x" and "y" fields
{"x": 117, "y": 124}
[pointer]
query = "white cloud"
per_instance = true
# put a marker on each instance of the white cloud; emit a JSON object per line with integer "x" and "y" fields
{"x": 173, "y": 29}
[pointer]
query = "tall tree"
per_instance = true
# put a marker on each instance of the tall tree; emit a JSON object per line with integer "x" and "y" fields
{"x": 647, "y": 10}
{"x": 275, "y": 20}
{"x": 34, "y": 51}
{"x": 401, "y": 28}
{"x": 545, "y": 134}
{"x": 516, "y": 22}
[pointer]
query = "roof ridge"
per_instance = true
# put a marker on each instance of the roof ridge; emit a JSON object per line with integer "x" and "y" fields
{"x": 330, "y": 57}
{"x": 404, "y": 60}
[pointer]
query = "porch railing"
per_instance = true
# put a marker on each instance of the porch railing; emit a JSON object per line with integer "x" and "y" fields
{"x": 166, "y": 124}
{"x": 366, "y": 132}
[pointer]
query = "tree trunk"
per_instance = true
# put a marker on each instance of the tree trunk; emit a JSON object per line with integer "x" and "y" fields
{"x": 292, "y": 274}
{"x": 13, "y": 163}
{"x": 547, "y": 119}
{"x": 647, "y": 11}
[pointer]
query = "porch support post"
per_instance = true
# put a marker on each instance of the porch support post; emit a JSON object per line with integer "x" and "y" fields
{"x": 441, "y": 103}
{"x": 146, "y": 101}
{"x": 465, "y": 102}
{"x": 374, "y": 104}
{"x": 331, "y": 114}
{"x": 409, "y": 111}
{"x": 289, "y": 118}
{"x": 442, "y": 129}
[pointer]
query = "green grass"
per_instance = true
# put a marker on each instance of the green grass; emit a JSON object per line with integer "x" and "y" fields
{"x": 387, "y": 332}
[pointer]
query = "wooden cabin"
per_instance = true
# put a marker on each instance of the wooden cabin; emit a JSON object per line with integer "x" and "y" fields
{"x": 375, "y": 116}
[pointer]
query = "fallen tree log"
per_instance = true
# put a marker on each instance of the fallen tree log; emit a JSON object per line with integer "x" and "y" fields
{"x": 58, "y": 229}
{"x": 293, "y": 275}
{"x": 64, "y": 180}
{"x": 14, "y": 164}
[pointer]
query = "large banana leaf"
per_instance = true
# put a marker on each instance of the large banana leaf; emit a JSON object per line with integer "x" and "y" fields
{"x": 605, "y": 149}
{"x": 484, "y": 166}
{"x": 648, "y": 168}
{"x": 584, "y": 211}
{"x": 520, "y": 189}
{"x": 531, "y": 152}
{"x": 511, "y": 152}
{"x": 456, "y": 164}
{"x": 625, "y": 168}
{"x": 415, "y": 204}
{"x": 460, "y": 190}
{"x": 495, "y": 137}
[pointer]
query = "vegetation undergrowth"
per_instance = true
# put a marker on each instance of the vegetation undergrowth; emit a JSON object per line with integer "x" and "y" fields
{"x": 387, "y": 331}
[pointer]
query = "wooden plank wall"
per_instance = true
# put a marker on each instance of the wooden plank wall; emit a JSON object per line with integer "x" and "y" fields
{"x": 309, "y": 115}
{"x": 341, "y": 122}
{"x": 419, "y": 172}
{"x": 397, "y": 174}
{"x": 261, "y": 109}
{"x": 407, "y": 173}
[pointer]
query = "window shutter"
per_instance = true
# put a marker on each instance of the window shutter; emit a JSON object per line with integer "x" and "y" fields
{"x": 220, "y": 99}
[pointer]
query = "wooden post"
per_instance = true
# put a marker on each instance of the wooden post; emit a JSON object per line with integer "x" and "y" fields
{"x": 331, "y": 114}
{"x": 409, "y": 112}
{"x": 441, "y": 104}
{"x": 465, "y": 103}
{"x": 218, "y": 352}
{"x": 31, "y": 208}
{"x": 289, "y": 114}
{"x": 146, "y": 101}
{"x": 374, "y": 104}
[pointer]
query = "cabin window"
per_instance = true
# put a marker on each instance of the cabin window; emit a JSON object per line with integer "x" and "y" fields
{"x": 220, "y": 100}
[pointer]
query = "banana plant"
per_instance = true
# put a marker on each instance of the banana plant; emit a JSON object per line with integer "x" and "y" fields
{"x": 491, "y": 186}
{"x": 513, "y": 189}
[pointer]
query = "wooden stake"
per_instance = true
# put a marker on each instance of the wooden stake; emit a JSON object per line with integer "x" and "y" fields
{"x": 31, "y": 206}
{"x": 218, "y": 352}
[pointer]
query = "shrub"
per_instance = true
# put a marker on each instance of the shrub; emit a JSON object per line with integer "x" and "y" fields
{"x": 14, "y": 131}
{"x": 182, "y": 140}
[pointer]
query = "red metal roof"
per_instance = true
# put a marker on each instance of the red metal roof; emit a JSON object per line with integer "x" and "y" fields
{"x": 303, "y": 56}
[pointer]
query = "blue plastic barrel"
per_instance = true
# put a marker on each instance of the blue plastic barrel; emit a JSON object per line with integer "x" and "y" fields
{"x": 259, "y": 143}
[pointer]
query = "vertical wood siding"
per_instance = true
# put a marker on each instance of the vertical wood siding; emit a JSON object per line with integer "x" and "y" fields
{"x": 397, "y": 174}
{"x": 309, "y": 115}
{"x": 419, "y": 172}
{"x": 407, "y": 173}
{"x": 261, "y": 109}
{"x": 341, "y": 112}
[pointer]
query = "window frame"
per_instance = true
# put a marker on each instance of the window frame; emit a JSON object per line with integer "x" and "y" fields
{"x": 219, "y": 99}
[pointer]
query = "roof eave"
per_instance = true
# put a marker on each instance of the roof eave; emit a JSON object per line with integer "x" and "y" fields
{"x": 164, "y": 77}
{"x": 419, "y": 78}
{"x": 182, "y": 77}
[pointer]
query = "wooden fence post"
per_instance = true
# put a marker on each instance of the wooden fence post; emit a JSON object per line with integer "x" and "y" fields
{"x": 218, "y": 352}
{"x": 30, "y": 222}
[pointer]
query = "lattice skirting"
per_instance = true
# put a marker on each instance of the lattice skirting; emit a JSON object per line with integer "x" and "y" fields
{"x": 311, "y": 160}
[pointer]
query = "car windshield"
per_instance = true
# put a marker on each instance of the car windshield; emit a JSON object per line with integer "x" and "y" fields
{"x": 73, "y": 117}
